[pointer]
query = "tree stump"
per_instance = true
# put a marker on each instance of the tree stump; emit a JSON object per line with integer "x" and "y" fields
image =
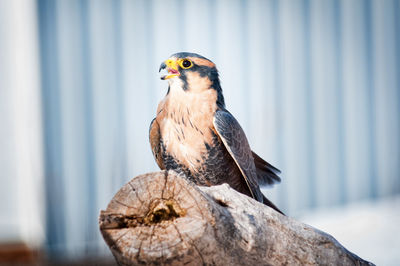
{"x": 162, "y": 218}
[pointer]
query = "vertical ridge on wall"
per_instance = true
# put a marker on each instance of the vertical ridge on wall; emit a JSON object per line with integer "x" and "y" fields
{"x": 355, "y": 100}
{"x": 151, "y": 43}
{"x": 76, "y": 157}
{"x": 212, "y": 35}
{"x": 244, "y": 62}
{"x": 55, "y": 198}
{"x": 370, "y": 97}
{"x": 396, "y": 183}
{"x": 91, "y": 181}
{"x": 311, "y": 201}
{"x": 119, "y": 176}
{"x": 341, "y": 155}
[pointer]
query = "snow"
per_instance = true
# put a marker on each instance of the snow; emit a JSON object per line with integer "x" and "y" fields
{"x": 369, "y": 229}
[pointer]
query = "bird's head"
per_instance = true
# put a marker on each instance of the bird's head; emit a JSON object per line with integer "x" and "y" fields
{"x": 192, "y": 73}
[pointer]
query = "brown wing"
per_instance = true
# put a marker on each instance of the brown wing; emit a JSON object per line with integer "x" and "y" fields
{"x": 235, "y": 141}
{"x": 155, "y": 143}
{"x": 266, "y": 173}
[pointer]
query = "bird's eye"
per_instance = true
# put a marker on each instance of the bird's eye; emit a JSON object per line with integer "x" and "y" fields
{"x": 186, "y": 63}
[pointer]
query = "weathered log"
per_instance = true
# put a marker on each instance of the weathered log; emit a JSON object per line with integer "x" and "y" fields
{"x": 161, "y": 218}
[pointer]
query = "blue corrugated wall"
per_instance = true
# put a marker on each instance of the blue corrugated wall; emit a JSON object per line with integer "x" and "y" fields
{"x": 315, "y": 84}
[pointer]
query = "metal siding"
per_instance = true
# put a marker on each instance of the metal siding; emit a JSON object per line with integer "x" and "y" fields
{"x": 315, "y": 85}
{"x": 53, "y": 134}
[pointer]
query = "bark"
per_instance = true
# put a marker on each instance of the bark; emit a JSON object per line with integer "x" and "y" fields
{"x": 161, "y": 218}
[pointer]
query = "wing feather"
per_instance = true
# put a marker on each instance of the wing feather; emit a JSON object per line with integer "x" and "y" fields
{"x": 235, "y": 141}
{"x": 266, "y": 173}
{"x": 155, "y": 143}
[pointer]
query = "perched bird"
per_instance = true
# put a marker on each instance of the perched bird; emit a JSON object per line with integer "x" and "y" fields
{"x": 194, "y": 134}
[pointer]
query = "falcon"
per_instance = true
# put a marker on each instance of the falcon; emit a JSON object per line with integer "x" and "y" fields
{"x": 195, "y": 135}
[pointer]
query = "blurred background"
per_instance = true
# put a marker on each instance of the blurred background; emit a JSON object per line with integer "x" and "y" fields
{"x": 315, "y": 85}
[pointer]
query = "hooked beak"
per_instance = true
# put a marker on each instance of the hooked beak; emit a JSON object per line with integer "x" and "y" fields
{"x": 172, "y": 68}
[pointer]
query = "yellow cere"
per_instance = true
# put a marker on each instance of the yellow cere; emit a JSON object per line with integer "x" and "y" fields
{"x": 171, "y": 64}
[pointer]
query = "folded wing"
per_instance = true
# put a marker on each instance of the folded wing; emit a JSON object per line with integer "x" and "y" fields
{"x": 235, "y": 141}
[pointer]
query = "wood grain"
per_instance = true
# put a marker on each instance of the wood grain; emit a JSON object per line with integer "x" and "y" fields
{"x": 161, "y": 218}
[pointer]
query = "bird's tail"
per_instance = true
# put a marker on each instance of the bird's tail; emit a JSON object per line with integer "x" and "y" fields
{"x": 270, "y": 204}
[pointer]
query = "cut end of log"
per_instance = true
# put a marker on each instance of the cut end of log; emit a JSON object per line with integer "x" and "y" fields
{"x": 154, "y": 218}
{"x": 162, "y": 218}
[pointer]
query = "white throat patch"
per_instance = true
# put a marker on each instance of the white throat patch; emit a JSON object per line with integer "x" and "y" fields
{"x": 175, "y": 85}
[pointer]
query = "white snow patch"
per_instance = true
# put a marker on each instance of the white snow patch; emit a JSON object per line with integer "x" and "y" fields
{"x": 369, "y": 229}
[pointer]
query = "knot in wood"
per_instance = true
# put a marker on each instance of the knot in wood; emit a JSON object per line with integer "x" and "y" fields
{"x": 163, "y": 210}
